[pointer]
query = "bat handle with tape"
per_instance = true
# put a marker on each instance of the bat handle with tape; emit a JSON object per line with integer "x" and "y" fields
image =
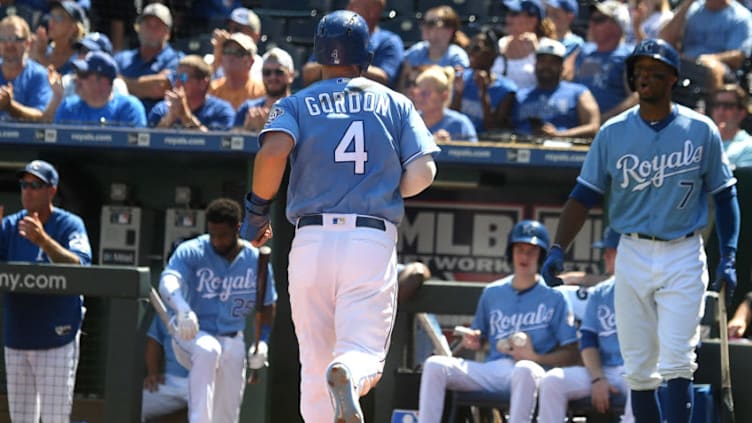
{"x": 261, "y": 276}
{"x": 462, "y": 330}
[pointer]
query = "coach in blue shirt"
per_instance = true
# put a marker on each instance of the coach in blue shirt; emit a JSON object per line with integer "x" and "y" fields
{"x": 41, "y": 331}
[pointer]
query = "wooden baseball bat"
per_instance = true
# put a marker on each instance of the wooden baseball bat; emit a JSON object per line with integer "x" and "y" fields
{"x": 261, "y": 275}
{"x": 159, "y": 307}
{"x": 727, "y": 398}
{"x": 438, "y": 341}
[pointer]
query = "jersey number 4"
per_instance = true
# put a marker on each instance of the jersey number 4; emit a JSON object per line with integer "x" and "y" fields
{"x": 357, "y": 153}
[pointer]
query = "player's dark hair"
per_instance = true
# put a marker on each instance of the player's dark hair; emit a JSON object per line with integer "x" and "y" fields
{"x": 223, "y": 210}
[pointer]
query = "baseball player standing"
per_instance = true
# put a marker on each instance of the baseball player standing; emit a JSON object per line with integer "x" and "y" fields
{"x": 657, "y": 161}
{"x": 518, "y": 303}
{"x": 41, "y": 332}
{"x": 603, "y": 373}
{"x": 356, "y": 149}
{"x": 210, "y": 283}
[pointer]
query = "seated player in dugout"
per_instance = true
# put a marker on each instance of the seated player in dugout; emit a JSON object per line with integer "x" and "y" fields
{"x": 528, "y": 325}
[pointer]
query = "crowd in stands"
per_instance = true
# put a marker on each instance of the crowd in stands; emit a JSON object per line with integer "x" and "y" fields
{"x": 528, "y": 68}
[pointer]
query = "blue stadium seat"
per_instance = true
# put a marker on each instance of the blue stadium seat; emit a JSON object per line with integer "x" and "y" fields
{"x": 406, "y": 27}
{"x": 301, "y": 30}
{"x": 402, "y": 7}
{"x": 199, "y": 44}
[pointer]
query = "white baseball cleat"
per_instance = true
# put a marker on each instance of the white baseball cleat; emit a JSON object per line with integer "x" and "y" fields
{"x": 346, "y": 402}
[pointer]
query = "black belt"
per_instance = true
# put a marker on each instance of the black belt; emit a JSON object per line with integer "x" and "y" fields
{"x": 360, "y": 221}
{"x": 656, "y": 238}
{"x": 228, "y": 334}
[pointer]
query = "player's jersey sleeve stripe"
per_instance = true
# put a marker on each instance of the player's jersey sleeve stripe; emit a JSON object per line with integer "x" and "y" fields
{"x": 264, "y": 131}
{"x": 728, "y": 183}
{"x": 420, "y": 154}
{"x": 589, "y": 185}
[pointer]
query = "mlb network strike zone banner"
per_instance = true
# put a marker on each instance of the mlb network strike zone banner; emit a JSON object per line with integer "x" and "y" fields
{"x": 467, "y": 241}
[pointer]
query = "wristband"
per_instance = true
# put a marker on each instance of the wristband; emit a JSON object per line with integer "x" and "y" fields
{"x": 257, "y": 205}
{"x": 596, "y": 380}
{"x": 266, "y": 333}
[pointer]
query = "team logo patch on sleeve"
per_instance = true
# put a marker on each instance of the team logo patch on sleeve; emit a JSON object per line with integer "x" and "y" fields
{"x": 274, "y": 114}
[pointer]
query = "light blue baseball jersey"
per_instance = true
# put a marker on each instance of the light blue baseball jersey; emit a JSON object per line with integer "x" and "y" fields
{"x": 221, "y": 293}
{"x": 657, "y": 180}
{"x": 601, "y": 320}
{"x": 353, "y": 139}
{"x": 36, "y": 322}
{"x": 540, "y": 311}
{"x": 158, "y": 332}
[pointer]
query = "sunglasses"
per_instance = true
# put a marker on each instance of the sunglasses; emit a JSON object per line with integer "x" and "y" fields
{"x": 183, "y": 77}
{"x": 234, "y": 52}
{"x": 726, "y": 105}
{"x": 35, "y": 185}
{"x": 599, "y": 19}
{"x": 270, "y": 72}
{"x": 432, "y": 23}
{"x": 13, "y": 39}
{"x": 58, "y": 17}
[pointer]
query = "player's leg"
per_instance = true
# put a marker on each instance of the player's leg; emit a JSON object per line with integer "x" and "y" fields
{"x": 204, "y": 351}
{"x": 526, "y": 377}
{"x": 636, "y": 323}
{"x": 615, "y": 376}
{"x": 441, "y": 373}
{"x": 366, "y": 302}
{"x": 230, "y": 381}
{"x": 681, "y": 305}
{"x": 558, "y": 386}
{"x": 168, "y": 398}
{"x": 312, "y": 296}
{"x": 23, "y": 399}
{"x": 55, "y": 377}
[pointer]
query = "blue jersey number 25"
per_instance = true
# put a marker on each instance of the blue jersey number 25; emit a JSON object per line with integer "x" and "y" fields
{"x": 357, "y": 153}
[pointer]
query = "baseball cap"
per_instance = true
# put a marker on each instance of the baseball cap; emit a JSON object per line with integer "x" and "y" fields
{"x": 72, "y": 9}
{"x": 532, "y": 7}
{"x": 42, "y": 170}
{"x": 570, "y": 6}
{"x": 552, "y": 47}
{"x": 245, "y": 42}
{"x": 159, "y": 11}
{"x": 610, "y": 239}
{"x": 277, "y": 55}
{"x": 246, "y": 17}
{"x": 97, "y": 62}
{"x": 615, "y": 10}
{"x": 95, "y": 41}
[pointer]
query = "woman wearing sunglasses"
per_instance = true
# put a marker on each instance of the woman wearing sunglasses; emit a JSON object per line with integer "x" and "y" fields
{"x": 54, "y": 45}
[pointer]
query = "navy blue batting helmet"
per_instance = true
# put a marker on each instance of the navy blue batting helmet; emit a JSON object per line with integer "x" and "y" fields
{"x": 529, "y": 232}
{"x": 342, "y": 39}
{"x": 657, "y": 49}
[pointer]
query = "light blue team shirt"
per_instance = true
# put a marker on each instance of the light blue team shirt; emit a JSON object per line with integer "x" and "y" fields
{"x": 132, "y": 65}
{"x": 418, "y": 55}
{"x": 709, "y": 32}
{"x": 121, "y": 110}
{"x": 216, "y": 114}
{"x": 739, "y": 149}
{"x": 472, "y": 107}
{"x": 458, "y": 125}
{"x": 353, "y": 139}
{"x": 557, "y": 107}
{"x": 35, "y": 322}
{"x": 657, "y": 180}
{"x": 30, "y": 88}
{"x": 600, "y": 319}
{"x": 158, "y": 332}
{"x": 603, "y": 73}
{"x": 221, "y": 293}
{"x": 540, "y": 311}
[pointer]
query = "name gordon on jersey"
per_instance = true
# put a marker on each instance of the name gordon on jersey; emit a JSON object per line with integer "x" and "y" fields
{"x": 210, "y": 285}
{"x": 347, "y": 103}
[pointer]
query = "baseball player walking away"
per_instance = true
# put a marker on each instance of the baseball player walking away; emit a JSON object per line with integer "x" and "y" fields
{"x": 210, "y": 283}
{"x": 356, "y": 149}
{"x": 602, "y": 375}
{"x": 657, "y": 161}
{"x": 530, "y": 328}
{"x": 41, "y": 332}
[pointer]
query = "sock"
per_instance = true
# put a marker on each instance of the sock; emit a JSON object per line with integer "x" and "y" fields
{"x": 679, "y": 400}
{"x": 645, "y": 406}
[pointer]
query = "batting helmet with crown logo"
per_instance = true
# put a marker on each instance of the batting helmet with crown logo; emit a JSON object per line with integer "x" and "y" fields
{"x": 528, "y": 232}
{"x": 342, "y": 39}
{"x": 654, "y": 48}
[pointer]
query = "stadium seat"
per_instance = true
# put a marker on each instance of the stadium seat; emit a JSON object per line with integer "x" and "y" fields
{"x": 459, "y": 400}
{"x": 462, "y": 7}
{"x": 406, "y": 27}
{"x": 288, "y": 4}
{"x": 199, "y": 44}
{"x": 402, "y": 7}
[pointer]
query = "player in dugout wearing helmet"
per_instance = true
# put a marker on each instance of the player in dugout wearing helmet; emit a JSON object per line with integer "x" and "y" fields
{"x": 529, "y": 326}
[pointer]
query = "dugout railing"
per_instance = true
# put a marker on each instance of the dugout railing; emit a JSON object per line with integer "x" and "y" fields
{"x": 124, "y": 291}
